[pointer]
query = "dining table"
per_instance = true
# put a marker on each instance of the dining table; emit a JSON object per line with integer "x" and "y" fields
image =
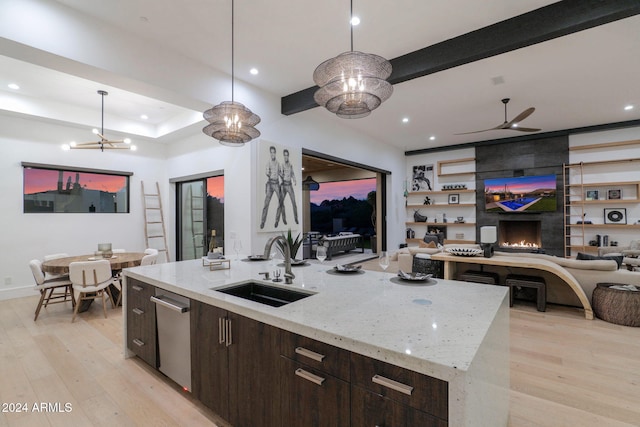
{"x": 118, "y": 261}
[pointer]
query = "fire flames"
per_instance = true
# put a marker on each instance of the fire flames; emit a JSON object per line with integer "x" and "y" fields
{"x": 521, "y": 244}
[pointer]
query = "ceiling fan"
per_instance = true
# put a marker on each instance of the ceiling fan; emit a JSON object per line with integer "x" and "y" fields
{"x": 104, "y": 143}
{"x": 513, "y": 124}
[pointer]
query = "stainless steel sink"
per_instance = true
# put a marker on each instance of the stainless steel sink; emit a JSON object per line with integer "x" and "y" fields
{"x": 265, "y": 294}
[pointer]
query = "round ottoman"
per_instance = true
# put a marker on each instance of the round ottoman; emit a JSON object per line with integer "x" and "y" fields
{"x": 615, "y": 305}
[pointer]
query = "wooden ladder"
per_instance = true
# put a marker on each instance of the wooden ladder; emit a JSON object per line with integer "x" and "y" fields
{"x": 154, "y": 229}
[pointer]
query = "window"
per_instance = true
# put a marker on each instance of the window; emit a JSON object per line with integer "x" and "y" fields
{"x": 56, "y": 189}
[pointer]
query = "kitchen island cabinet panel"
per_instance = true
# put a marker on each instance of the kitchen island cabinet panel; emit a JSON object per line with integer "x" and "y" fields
{"x": 327, "y": 358}
{"x": 209, "y": 358}
{"x": 141, "y": 324}
{"x": 371, "y": 409}
{"x": 313, "y": 398}
{"x": 254, "y": 386}
{"x": 410, "y": 388}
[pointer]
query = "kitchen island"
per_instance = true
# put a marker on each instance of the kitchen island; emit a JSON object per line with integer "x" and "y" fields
{"x": 454, "y": 332}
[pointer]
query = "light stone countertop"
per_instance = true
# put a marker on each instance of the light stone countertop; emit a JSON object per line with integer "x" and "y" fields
{"x": 434, "y": 328}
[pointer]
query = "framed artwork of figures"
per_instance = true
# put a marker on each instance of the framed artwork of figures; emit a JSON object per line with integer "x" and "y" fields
{"x": 278, "y": 191}
{"x": 422, "y": 179}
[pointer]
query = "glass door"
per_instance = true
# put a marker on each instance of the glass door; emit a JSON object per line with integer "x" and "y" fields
{"x": 200, "y": 210}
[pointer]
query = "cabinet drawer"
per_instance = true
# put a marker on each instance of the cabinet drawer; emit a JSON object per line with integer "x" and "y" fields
{"x": 371, "y": 409}
{"x": 416, "y": 390}
{"x": 324, "y": 357}
{"x": 312, "y": 398}
{"x": 141, "y": 321}
{"x": 138, "y": 291}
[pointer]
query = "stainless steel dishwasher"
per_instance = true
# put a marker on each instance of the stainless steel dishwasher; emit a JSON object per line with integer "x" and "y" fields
{"x": 174, "y": 336}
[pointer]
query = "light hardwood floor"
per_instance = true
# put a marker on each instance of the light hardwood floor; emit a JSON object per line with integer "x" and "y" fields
{"x": 565, "y": 371}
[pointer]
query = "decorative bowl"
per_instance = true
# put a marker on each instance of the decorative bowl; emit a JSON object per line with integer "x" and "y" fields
{"x": 413, "y": 277}
{"x": 464, "y": 251}
{"x": 347, "y": 268}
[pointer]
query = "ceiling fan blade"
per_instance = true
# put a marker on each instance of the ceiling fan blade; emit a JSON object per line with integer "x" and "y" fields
{"x": 478, "y": 131}
{"x": 525, "y": 129}
{"x": 520, "y": 117}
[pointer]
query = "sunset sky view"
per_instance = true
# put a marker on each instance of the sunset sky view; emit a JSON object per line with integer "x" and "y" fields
{"x": 523, "y": 184}
{"x": 215, "y": 187}
{"x": 339, "y": 190}
{"x": 39, "y": 180}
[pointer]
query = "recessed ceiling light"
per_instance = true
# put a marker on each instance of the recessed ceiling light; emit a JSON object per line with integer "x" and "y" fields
{"x": 13, "y": 86}
{"x": 254, "y": 71}
{"x": 432, "y": 138}
{"x": 628, "y": 107}
{"x": 405, "y": 120}
{"x": 144, "y": 116}
{"x": 355, "y": 21}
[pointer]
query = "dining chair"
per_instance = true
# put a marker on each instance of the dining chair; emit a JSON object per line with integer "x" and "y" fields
{"x": 91, "y": 279}
{"x": 53, "y": 290}
{"x": 151, "y": 251}
{"x": 55, "y": 256}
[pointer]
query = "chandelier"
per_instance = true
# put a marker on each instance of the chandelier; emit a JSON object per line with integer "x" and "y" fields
{"x": 104, "y": 143}
{"x": 230, "y": 122}
{"x": 353, "y": 83}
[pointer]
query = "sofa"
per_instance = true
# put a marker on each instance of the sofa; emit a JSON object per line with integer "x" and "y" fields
{"x": 588, "y": 273}
{"x": 343, "y": 242}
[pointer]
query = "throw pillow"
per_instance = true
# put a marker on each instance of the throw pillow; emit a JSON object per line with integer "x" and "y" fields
{"x": 427, "y": 245}
{"x": 588, "y": 257}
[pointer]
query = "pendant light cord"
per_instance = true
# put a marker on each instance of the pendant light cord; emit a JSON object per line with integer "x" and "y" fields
{"x": 102, "y": 125}
{"x": 232, "y": 44}
{"x": 351, "y": 24}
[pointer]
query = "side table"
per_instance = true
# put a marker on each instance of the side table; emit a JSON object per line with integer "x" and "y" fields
{"x": 615, "y": 305}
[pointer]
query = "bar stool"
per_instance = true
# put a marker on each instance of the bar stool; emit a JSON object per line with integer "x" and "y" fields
{"x": 520, "y": 281}
{"x": 486, "y": 277}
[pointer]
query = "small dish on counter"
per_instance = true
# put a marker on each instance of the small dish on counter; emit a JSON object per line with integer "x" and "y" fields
{"x": 257, "y": 258}
{"x": 413, "y": 277}
{"x": 347, "y": 268}
{"x": 464, "y": 251}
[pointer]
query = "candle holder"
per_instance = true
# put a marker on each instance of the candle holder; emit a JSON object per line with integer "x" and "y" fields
{"x": 105, "y": 250}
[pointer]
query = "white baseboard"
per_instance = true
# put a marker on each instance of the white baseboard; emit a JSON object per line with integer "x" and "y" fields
{"x": 11, "y": 293}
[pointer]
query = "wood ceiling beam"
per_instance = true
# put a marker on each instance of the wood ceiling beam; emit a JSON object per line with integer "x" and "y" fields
{"x": 546, "y": 23}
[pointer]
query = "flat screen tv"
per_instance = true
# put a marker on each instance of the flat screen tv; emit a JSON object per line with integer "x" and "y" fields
{"x": 523, "y": 194}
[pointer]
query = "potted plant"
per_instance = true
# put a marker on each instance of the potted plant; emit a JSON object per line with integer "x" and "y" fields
{"x": 294, "y": 244}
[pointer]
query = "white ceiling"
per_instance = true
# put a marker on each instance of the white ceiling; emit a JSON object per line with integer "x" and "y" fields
{"x": 583, "y": 79}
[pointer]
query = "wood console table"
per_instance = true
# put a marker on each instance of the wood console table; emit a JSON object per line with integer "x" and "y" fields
{"x": 451, "y": 262}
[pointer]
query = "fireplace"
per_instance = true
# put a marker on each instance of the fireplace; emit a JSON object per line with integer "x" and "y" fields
{"x": 520, "y": 235}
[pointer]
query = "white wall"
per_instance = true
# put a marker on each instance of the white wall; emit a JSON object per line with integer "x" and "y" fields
{"x": 28, "y": 236}
{"x": 318, "y": 132}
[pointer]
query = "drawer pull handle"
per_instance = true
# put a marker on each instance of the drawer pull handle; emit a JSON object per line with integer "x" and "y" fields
{"x": 393, "y": 385}
{"x": 137, "y": 311}
{"x": 228, "y": 336}
{"x": 136, "y": 288}
{"x": 309, "y": 376}
{"x": 310, "y": 354}
{"x": 137, "y": 342}
{"x": 221, "y": 330}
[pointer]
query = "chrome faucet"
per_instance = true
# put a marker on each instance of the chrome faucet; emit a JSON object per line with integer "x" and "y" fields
{"x": 288, "y": 274}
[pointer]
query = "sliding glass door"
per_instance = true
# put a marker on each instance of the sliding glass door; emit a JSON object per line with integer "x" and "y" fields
{"x": 200, "y": 205}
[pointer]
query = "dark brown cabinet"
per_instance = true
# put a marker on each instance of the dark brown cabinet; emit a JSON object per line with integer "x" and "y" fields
{"x": 387, "y": 395}
{"x": 141, "y": 321}
{"x": 315, "y": 383}
{"x": 234, "y": 365}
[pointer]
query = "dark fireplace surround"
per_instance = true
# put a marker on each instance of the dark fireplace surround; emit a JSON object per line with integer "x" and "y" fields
{"x": 497, "y": 159}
